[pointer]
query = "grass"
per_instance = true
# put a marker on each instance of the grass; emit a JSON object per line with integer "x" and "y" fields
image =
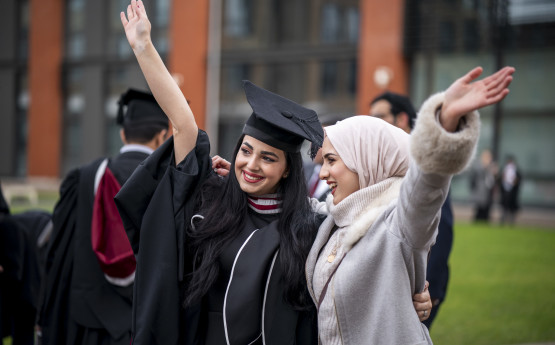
{"x": 47, "y": 201}
{"x": 502, "y": 287}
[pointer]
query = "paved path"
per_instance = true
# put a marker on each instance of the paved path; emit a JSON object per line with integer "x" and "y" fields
{"x": 527, "y": 216}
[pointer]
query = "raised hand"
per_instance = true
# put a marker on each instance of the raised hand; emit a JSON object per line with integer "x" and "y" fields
{"x": 136, "y": 25}
{"x": 466, "y": 95}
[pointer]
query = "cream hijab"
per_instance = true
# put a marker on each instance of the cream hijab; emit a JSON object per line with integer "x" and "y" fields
{"x": 370, "y": 147}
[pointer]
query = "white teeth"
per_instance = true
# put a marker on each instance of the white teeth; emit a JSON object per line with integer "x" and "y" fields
{"x": 332, "y": 185}
{"x": 250, "y": 177}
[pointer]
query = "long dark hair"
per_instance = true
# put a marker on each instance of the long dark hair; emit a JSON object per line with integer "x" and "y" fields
{"x": 224, "y": 216}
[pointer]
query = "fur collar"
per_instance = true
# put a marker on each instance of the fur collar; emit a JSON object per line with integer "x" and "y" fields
{"x": 368, "y": 216}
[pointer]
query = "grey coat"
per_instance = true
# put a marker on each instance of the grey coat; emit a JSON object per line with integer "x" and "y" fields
{"x": 388, "y": 242}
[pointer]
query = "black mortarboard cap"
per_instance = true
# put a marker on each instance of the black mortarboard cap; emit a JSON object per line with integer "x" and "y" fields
{"x": 142, "y": 109}
{"x": 280, "y": 122}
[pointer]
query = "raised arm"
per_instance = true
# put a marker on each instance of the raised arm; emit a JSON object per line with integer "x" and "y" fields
{"x": 466, "y": 95}
{"x": 164, "y": 88}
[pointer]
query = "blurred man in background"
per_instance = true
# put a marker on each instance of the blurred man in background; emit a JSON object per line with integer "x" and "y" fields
{"x": 90, "y": 267}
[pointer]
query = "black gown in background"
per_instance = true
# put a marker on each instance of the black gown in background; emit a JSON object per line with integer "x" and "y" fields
{"x": 79, "y": 306}
{"x": 156, "y": 204}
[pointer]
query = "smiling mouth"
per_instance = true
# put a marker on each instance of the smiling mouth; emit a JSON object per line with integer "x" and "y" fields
{"x": 333, "y": 187}
{"x": 251, "y": 178}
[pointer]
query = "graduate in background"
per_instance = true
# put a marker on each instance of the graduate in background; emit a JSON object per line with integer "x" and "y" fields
{"x": 90, "y": 266}
{"x": 23, "y": 241}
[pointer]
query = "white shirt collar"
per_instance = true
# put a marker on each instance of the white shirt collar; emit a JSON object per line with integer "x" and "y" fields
{"x": 136, "y": 148}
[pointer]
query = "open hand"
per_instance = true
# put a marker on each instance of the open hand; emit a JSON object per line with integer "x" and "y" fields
{"x": 137, "y": 26}
{"x": 466, "y": 95}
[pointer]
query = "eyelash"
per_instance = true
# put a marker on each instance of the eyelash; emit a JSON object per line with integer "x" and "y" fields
{"x": 266, "y": 158}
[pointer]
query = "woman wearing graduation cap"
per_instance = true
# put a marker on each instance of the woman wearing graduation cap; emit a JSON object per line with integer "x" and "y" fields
{"x": 220, "y": 260}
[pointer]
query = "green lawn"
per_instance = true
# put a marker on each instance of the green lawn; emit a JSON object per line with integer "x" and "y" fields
{"x": 502, "y": 287}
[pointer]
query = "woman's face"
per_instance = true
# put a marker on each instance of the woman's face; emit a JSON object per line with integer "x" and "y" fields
{"x": 259, "y": 167}
{"x": 342, "y": 181}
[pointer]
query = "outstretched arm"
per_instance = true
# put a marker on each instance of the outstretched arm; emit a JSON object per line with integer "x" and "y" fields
{"x": 466, "y": 95}
{"x": 165, "y": 90}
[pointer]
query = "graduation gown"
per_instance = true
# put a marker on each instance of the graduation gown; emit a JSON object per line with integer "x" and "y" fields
{"x": 156, "y": 204}
{"x": 79, "y": 305}
{"x": 20, "y": 257}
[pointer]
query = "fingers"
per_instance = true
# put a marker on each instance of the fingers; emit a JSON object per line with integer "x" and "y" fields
{"x": 141, "y": 7}
{"x": 472, "y": 75}
{"x": 424, "y": 315}
{"x": 498, "y": 77}
{"x": 138, "y": 8}
{"x": 499, "y": 97}
{"x": 499, "y": 87}
{"x": 123, "y": 19}
{"x": 130, "y": 12}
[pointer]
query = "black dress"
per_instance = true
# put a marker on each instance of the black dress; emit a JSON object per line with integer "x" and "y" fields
{"x": 246, "y": 303}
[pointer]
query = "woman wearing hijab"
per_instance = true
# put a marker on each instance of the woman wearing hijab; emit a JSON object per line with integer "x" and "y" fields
{"x": 370, "y": 253}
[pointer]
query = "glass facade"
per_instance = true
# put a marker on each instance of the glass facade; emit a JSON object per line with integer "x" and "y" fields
{"x": 22, "y": 90}
{"x": 444, "y": 40}
{"x": 302, "y": 50}
{"x": 98, "y": 67}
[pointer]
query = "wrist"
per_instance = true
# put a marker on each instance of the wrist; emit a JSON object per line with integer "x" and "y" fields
{"x": 140, "y": 47}
{"x": 449, "y": 122}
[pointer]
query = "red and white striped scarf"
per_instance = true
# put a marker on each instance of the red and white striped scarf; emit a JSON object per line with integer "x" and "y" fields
{"x": 265, "y": 204}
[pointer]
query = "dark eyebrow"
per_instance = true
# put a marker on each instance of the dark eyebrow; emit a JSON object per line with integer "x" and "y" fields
{"x": 327, "y": 155}
{"x": 269, "y": 153}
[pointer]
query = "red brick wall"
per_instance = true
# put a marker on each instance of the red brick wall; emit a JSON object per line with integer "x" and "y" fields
{"x": 188, "y": 54}
{"x": 381, "y": 44}
{"x": 45, "y": 110}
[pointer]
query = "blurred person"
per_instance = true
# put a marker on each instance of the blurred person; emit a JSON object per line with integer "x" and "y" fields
{"x": 23, "y": 239}
{"x": 482, "y": 185}
{"x": 370, "y": 253}
{"x": 90, "y": 266}
{"x": 509, "y": 183}
{"x": 397, "y": 109}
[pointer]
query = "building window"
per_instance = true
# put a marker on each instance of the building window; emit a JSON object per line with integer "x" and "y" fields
{"x": 75, "y": 29}
{"x": 98, "y": 67}
{"x": 329, "y": 78}
{"x": 471, "y": 36}
{"x": 238, "y": 18}
{"x": 330, "y": 26}
{"x": 74, "y": 105}
{"x": 447, "y": 42}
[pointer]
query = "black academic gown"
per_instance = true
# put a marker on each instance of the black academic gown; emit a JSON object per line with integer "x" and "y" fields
{"x": 437, "y": 273}
{"x": 79, "y": 305}
{"x": 156, "y": 204}
{"x": 20, "y": 257}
